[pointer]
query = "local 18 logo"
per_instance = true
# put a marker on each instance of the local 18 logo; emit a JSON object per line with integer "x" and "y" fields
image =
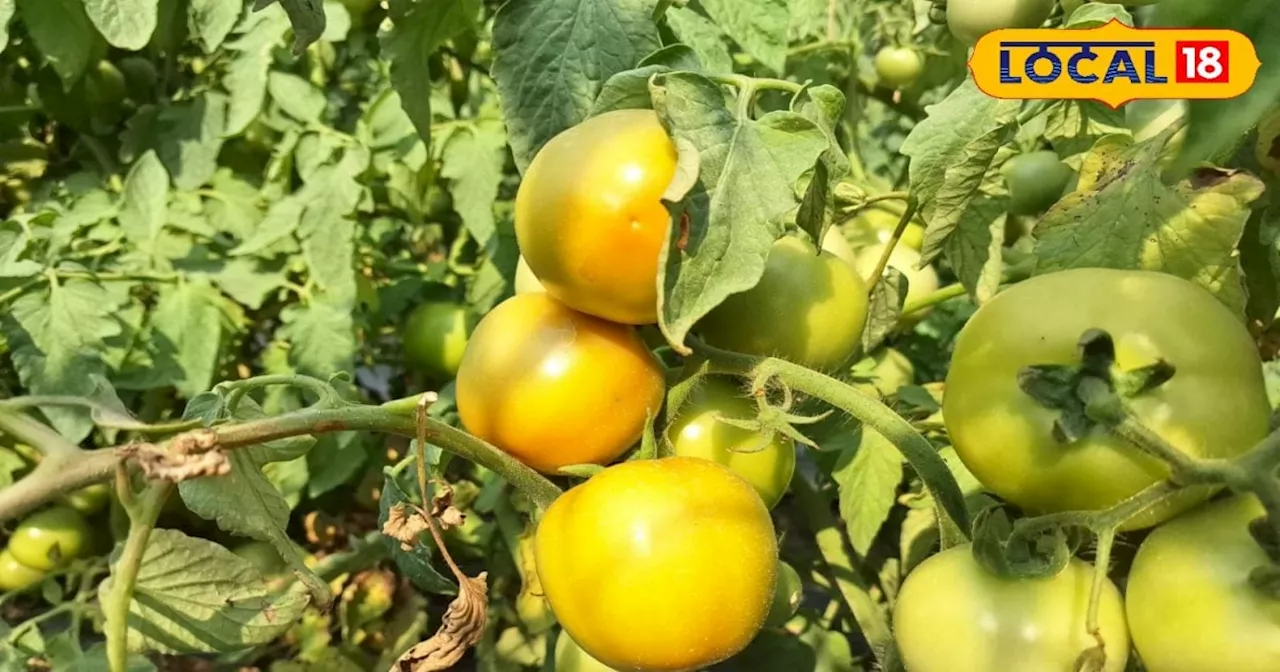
{"x": 1114, "y": 64}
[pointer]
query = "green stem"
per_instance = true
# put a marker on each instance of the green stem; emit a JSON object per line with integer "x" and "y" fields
{"x": 323, "y": 391}
{"x": 903, "y": 221}
{"x": 930, "y": 300}
{"x": 124, "y": 575}
{"x": 14, "y": 293}
{"x": 18, "y": 403}
{"x": 42, "y": 437}
{"x": 1099, "y": 521}
{"x": 21, "y": 629}
{"x": 1101, "y": 563}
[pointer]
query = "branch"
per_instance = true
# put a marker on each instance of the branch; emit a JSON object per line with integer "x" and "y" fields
{"x": 35, "y": 433}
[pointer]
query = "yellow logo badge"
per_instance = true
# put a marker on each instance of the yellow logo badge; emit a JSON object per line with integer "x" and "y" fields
{"x": 1114, "y": 64}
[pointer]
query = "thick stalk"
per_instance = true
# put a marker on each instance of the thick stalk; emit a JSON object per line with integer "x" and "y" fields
{"x": 40, "y": 436}
{"x": 124, "y": 575}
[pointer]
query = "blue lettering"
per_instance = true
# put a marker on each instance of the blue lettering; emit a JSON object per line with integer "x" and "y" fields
{"x": 1073, "y": 65}
{"x": 1005, "y": 76}
{"x": 1043, "y": 54}
{"x": 1121, "y": 66}
{"x": 1152, "y": 77}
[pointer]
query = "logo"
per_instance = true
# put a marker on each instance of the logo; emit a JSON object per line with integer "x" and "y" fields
{"x": 1114, "y": 64}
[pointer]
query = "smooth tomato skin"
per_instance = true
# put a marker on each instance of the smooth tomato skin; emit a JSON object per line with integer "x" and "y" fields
{"x": 526, "y": 281}
{"x": 808, "y": 308}
{"x": 952, "y": 615}
{"x": 47, "y": 539}
{"x": 971, "y": 19}
{"x": 1036, "y": 181}
{"x": 833, "y": 241}
{"x": 589, "y": 215}
{"x": 571, "y": 658}
{"x": 898, "y": 67}
{"x": 16, "y": 576}
{"x": 766, "y": 462}
{"x": 1215, "y": 406}
{"x": 659, "y": 565}
{"x": 1190, "y": 605}
{"x": 555, "y": 387}
{"x": 435, "y": 338}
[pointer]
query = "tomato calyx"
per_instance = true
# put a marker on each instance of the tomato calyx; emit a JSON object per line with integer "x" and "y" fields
{"x": 1093, "y": 392}
{"x": 1015, "y": 551}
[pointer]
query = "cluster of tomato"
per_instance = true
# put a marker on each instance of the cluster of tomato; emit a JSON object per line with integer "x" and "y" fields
{"x": 50, "y": 538}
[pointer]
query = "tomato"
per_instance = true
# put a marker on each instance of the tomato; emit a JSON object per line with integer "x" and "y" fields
{"x": 971, "y": 19}
{"x": 765, "y": 459}
{"x": 898, "y": 67}
{"x": 921, "y": 282}
{"x": 1215, "y": 406}
{"x": 16, "y": 576}
{"x": 891, "y": 371}
{"x": 104, "y": 84}
{"x": 808, "y": 308}
{"x": 589, "y": 214}
{"x": 526, "y": 281}
{"x": 262, "y": 555}
{"x": 1190, "y": 605}
{"x": 49, "y": 538}
{"x": 556, "y": 387}
{"x": 833, "y": 241}
{"x": 876, "y": 223}
{"x": 952, "y": 615}
{"x": 1036, "y": 181}
{"x": 435, "y": 336}
{"x": 663, "y": 564}
{"x": 89, "y": 499}
{"x": 787, "y": 596}
{"x": 571, "y": 658}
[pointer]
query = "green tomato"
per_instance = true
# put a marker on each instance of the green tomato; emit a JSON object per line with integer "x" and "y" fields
{"x": 765, "y": 460}
{"x": 891, "y": 371}
{"x": 787, "y": 596}
{"x": 16, "y": 576}
{"x": 875, "y": 225}
{"x": 89, "y": 499}
{"x": 1036, "y": 181}
{"x": 1215, "y": 406}
{"x": 971, "y": 19}
{"x": 104, "y": 84}
{"x": 435, "y": 336}
{"x": 262, "y": 555}
{"x": 808, "y": 308}
{"x": 571, "y": 658}
{"x": 1191, "y": 607}
{"x": 952, "y": 615}
{"x": 48, "y": 539}
{"x": 898, "y": 67}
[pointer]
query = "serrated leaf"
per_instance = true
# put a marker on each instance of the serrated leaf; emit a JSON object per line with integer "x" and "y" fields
{"x": 415, "y": 563}
{"x": 884, "y": 308}
{"x": 145, "y": 208}
{"x": 1123, "y": 215}
{"x": 411, "y": 40}
{"x": 298, "y": 97}
{"x": 207, "y": 407}
{"x": 867, "y": 473}
{"x": 473, "y": 159}
{"x": 63, "y": 33}
{"x": 728, "y": 222}
{"x": 758, "y": 26}
{"x": 15, "y": 241}
{"x": 7, "y": 9}
{"x": 704, "y": 37}
{"x": 189, "y": 315}
{"x": 337, "y": 21}
{"x": 246, "y": 75}
{"x": 248, "y": 281}
{"x": 212, "y": 21}
{"x": 326, "y": 227}
{"x": 127, "y": 24}
{"x": 194, "y": 596}
{"x": 242, "y": 502}
{"x": 187, "y": 136}
{"x": 280, "y": 222}
{"x": 546, "y": 90}
{"x": 322, "y": 336}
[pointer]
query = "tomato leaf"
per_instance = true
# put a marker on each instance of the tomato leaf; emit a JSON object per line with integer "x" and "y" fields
{"x": 126, "y": 24}
{"x": 7, "y": 9}
{"x": 759, "y": 26}
{"x": 725, "y": 226}
{"x": 306, "y": 16}
{"x": 868, "y": 473}
{"x": 1072, "y": 127}
{"x": 1123, "y": 215}
{"x": 63, "y": 33}
{"x": 227, "y": 608}
{"x": 212, "y": 21}
{"x": 322, "y": 334}
{"x": 546, "y": 90}
{"x": 416, "y": 562}
{"x": 884, "y": 308}
{"x": 246, "y": 74}
{"x": 473, "y": 160}
{"x": 704, "y": 37}
{"x": 414, "y": 35}
{"x": 298, "y": 98}
{"x": 627, "y": 90}
{"x": 187, "y": 137}
{"x": 1096, "y": 14}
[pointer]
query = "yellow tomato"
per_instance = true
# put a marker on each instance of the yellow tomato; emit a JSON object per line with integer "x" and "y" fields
{"x": 556, "y": 387}
{"x": 589, "y": 214}
{"x": 659, "y": 565}
{"x": 526, "y": 281}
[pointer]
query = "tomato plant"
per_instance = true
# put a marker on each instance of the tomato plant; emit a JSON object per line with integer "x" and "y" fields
{"x": 953, "y": 614}
{"x": 50, "y": 538}
{"x": 898, "y": 67}
{"x": 652, "y": 577}
{"x": 555, "y": 387}
{"x": 1189, "y": 599}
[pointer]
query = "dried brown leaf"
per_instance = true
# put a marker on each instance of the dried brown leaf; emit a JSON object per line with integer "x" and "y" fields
{"x": 462, "y": 627}
{"x": 404, "y": 525}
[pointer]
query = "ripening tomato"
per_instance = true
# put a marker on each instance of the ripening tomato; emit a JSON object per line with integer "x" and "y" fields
{"x": 556, "y": 387}
{"x": 765, "y": 459}
{"x": 898, "y": 67}
{"x": 435, "y": 337}
{"x": 47, "y": 539}
{"x": 971, "y": 19}
{"x": 589, "y": 214}
{"x": 571, "y": 658}
{"x": 1191, "y": 607}
{"x": 921, "y": 282}
{"x": 1036, "y": 181}
{"x": 659, "y": 565}
{"x": 808, "y": 308}
{"x": 16, "y": 576}
{"x": 787, "y": 596}
{"x": 1215, "y": 406}
{"x": 526, "y": 281}
{"x": 953, "y": 615}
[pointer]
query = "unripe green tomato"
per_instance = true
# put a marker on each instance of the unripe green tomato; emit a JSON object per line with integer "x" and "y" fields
{"x": 104, "y": 84}
{"x": 49, "y": 538}
{"x": 526, "y": 281}
{"x": 89, "y": 499}
{"x": 16, "y": 576}
{"x": 139, "y": 77}
{"x": 787, "y": 596}
{"x": 1036, "y": 181}
{"x": 571, "y": 658}
{"x": 898, "y": 67}
{"x": 262, "y": 555}
{"x": 765, "y": 459}
{"x": 435, "y": 337}
{"x": 971, "y": 19}
{"x": 892, "y": 371}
